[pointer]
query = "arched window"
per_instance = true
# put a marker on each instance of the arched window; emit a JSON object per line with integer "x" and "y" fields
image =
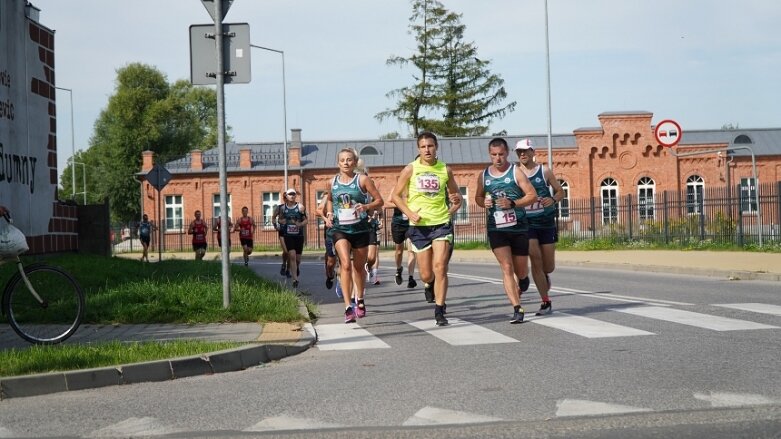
{"x": 645, "y": 198}
{"x": 744, "y": 139}
{"x": 609, "y": 191}
{"x": 694, "y": 187}
{"x": 564, "y": 203}
{"x": 369, "y": 150}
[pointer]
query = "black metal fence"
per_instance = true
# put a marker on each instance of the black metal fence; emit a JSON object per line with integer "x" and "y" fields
{"x": 729, "y": 216}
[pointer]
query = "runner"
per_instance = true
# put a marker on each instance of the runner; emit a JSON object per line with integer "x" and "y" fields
{"x": 429, "y": 183}
{"x": 293, "y": 221}
{"x": 504, "y": 191}
{"x": 399, "y": 227}
{"x": 283, "y": 270}
{"x": 198, "y": 229}
{"x": 246, "y": 228}
{"x": 145, "y": 229}
{"x": 330, "y": 255}
{"x": 346, "y": 211}
{"x": 373, "y": 257}
{"x": 543, "y": 233}
{"x": 217, "y": 227}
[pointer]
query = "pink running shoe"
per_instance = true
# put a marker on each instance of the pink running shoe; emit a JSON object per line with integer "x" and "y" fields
{"x": 360, "y": 310}
{"x": 349, "y": 315}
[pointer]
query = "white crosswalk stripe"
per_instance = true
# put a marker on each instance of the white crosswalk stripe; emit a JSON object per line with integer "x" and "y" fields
{"x": 586, "y": 326}
{"x": 340, "y": 336}
{"x": 695, "y": 319}
{"x": 462, "y": 333}
{"x": 762, "y": 308}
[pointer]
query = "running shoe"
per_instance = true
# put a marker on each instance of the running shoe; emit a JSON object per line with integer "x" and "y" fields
{"x": 440, "y": 319}
{"x": 428, "y": 291}
{"x": 282, "y": 270}
{"x": 287, "y": 274}
{"x": 517, "y": 317}
{"x": 329, "y": 282}
{"x": 545, "y": 308}
{"x": 246, "y": 263}
{"x": 411, "y": 283}
{"x": 524, "y": 284}
{"x": 360, "y": 310}
{"x": 349, "y": 315}
{"x": 338, "y": 289}
{"x": 398, "y": 276}
{"x": 376, "y": 277}
{"x": 368, "y": 273}
{"x": 295, "y": 284}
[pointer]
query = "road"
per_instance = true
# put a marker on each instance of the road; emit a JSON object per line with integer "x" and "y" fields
{"x": 623, "y": 352}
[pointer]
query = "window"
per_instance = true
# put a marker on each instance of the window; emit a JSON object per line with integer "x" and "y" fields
{"x": 645, "y": 198}
{"x": 462, "y": 216}
{"x": 748, "y": 195}
{"x": 564, "y": 203}
{"x": 744, "y": 139}
{"x": 173, "y": 212}
{"x": 609, "y": 191}
{"x": 270, "y": 200}
{"x": 216, "y": 205}
{"x": 369, "y": 150}
{"x": 694, "y": 188}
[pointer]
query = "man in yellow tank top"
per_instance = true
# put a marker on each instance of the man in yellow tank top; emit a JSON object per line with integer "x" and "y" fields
{"x": 429, "y": 185}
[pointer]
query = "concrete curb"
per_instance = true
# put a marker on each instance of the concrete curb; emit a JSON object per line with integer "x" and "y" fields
{"x": 229, "y": 360}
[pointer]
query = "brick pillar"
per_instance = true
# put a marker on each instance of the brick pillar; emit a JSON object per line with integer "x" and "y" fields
{"x": 245, "y": 158}
{"x": 294, "y": 155}
{"x": 147, "y": 160}
{"x": 196, "y": 160}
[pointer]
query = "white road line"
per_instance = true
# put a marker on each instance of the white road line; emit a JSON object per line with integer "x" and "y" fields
{"x": 437, "y": 416}
{"x": 581, "y": 407}
{"x": 134, "y": 427}
{"x": 284, "y": 422}
{"x": 762, "y": 308}
{"x": 689, "y": 318}
{"x": 461, "y": 333}
{"x": 340, "y": 336}
{"x": 587, "y": 327}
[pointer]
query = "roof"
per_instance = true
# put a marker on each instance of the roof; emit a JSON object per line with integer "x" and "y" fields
{"x": 269, "y": 156}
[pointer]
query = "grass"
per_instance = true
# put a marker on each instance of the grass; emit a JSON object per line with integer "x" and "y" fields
{"x": 124, "y": 291}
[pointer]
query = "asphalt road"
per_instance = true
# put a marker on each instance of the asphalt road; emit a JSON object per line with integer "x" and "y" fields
{"x": 646, "y": 353}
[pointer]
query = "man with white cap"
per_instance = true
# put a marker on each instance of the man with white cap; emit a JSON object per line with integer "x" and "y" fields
{"x": 541, "y": 215}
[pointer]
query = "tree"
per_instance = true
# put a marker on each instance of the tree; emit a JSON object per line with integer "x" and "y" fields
{"x": 454, "y": 93}
{"x": 145, "y": 113}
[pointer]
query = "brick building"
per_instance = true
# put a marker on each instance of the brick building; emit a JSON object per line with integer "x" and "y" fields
{"x": 617, "y": 158}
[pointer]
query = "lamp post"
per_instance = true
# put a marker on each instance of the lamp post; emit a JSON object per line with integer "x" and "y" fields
{"x": 284, "y": 104}
{"x": 547, "y": 74}
{"x": 73, "y": 144}
{"x": 83, "y": 178}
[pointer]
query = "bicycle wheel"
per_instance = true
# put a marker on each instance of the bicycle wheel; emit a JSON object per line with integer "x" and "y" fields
{"x": 59, "y": 314}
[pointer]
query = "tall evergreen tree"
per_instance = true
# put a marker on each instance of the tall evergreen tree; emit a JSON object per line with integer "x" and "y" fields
{"x": 454, "y": 93}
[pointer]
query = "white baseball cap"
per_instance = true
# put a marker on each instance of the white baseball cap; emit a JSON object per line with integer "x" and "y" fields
{"x": 524, "y": 144}
{"x": 290, "y": 191}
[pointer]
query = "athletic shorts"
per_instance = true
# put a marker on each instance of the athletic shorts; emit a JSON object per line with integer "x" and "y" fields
{"x": 200, "y": 246}
{"x": 329, "y": 248}
{"x": 356, "y": 240}
{"x": 399, "y": 233}
{"x": 145, "y": 239}
{"x": 295, "y": 243}
{"x": 219, "y": 241}
{"x": 422, "y": 237}
{"x": 518, "y": 242}
{"x": 545, "y": 235}
{"x": 374, "y": 238}
{"x": 246, "y": 242}
{"x": 281, "y": 232}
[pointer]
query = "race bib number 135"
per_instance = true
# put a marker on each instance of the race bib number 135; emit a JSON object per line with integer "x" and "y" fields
{"x": 427, "y": 183}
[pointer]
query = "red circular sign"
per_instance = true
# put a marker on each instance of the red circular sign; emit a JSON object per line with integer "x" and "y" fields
{"x": 668, "y": 133}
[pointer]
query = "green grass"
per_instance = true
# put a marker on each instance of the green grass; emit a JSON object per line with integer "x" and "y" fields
{"x": 125, "y": 291}
{"x": 40, "y": 359}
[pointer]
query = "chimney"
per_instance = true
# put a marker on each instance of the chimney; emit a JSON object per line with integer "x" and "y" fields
{"x": 196, "y": 160}
{"x": 147, "y": 160}
{"x": 294, "y": 154}
{"x": 245, "y": 159}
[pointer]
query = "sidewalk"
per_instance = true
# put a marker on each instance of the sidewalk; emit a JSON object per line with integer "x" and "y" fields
{"x": 273, "y": 341}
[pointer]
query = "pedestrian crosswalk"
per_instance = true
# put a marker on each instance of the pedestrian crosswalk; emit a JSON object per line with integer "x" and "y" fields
{"x": 462, "y": 332}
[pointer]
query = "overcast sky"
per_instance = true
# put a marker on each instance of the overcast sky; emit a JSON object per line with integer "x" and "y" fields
{"x": 704, "y": 63}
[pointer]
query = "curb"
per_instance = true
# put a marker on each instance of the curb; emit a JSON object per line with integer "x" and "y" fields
{"x": 229, "y": 360}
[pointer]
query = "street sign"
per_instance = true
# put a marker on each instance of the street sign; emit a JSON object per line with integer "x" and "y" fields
{"x": 158, "y": 177}
{"x": 209, "y": 5}
{"x": 235, "y": 50}
{"x": 668, "y": 133}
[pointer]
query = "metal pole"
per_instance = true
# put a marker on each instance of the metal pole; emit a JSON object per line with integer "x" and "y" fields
{"x": 284, "y": 105}
{"x": 224, "y": 250}
{"x": 547, "y": 74}
{"x": 73, "y": 145}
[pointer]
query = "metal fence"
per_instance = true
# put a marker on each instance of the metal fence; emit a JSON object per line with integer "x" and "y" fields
{"x": 728, "y": 216}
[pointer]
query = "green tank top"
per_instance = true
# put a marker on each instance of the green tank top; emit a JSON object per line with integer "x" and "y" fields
{"x": 540, "y": 216}
{"x": 292, "y": 214}
{"x": 427, "y": 193}
{"x": 509, "y": 220}
{"x": 344, "y": 197}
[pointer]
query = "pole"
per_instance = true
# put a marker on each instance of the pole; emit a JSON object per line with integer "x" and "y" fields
{"x": 547, "y": 74}
{"x": 159, "y": 223}
{"x": 284, "y": 106}
{"x": 220, "y": 77}
{"x": 73, "y": 145}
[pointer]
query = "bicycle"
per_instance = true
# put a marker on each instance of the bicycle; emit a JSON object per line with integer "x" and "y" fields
{"x": 43, "y": 303}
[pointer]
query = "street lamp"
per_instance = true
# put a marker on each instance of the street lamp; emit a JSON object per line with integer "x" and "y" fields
{"x": 284, "y": 103}
{"x": 73, "y": 145}
{"x": 547, "y": 73}
{"x": 83, "y": 177}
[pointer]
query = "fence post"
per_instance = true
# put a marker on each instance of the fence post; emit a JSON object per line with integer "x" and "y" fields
{"x": 665, "y": 217}
{"x": 740, "y": 216}
{"x": 629, "y": 213}
{"x": 701, "y": 210}
{"x": 593, "y": 219}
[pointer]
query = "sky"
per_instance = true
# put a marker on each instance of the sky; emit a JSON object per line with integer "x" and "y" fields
{"x": 703, "y": 63}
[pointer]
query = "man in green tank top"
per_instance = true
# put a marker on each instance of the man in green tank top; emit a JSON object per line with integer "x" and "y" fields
{"x": 429, "y": 184}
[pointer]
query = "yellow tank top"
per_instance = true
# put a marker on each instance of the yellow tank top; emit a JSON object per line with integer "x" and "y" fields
{"x": 427, "y": 193}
